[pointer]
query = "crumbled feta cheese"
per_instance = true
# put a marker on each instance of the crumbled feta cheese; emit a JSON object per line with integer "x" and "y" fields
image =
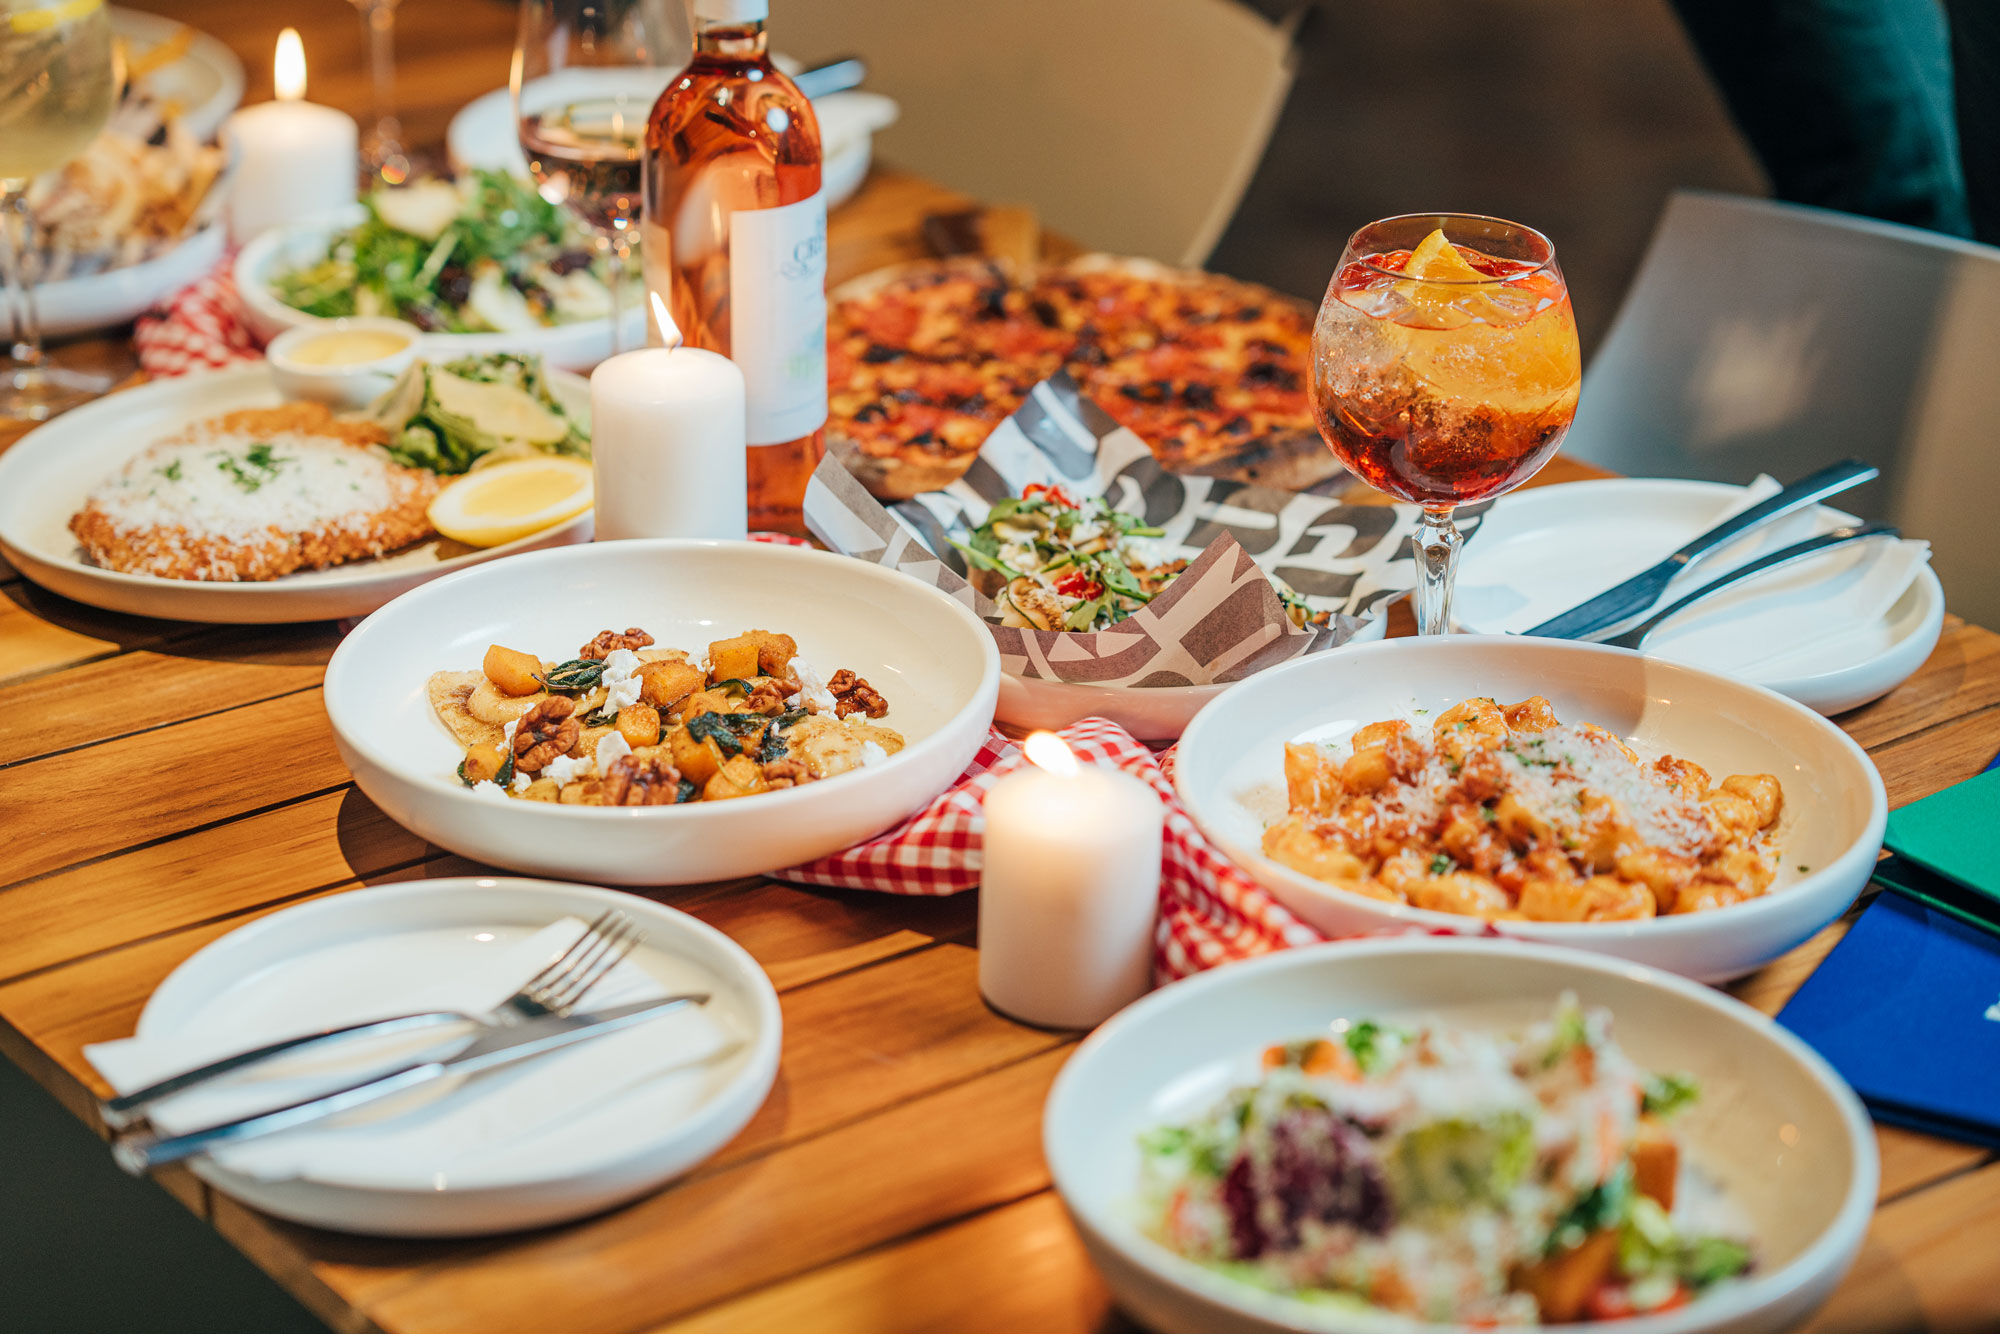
{"x": 507, "y": 732}
{"x": 872, "y": 753}
{"x": 565, "y": 770}
{"x": 621, "y": 679}
{"x": 522, "y": 782}
{"x": 489, "y": 790}
{"x": 611, "y": 748}
{"x": 812, "y": 688}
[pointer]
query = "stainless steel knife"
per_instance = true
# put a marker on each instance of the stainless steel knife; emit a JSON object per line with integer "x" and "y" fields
{"x": 140, "y": 1152}
{"x": 1617, "y": 605}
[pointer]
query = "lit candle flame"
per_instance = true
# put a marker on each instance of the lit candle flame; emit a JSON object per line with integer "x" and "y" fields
{"x": 670, "y": 333}
{"x": 1046, "y": 750}
{"x": 288, "y": 66}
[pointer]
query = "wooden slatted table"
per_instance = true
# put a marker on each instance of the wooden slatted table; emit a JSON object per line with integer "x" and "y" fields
{"x": 894, "y": 1180}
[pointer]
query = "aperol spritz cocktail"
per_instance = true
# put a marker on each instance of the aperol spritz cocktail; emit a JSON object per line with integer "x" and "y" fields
{"x": 1445, "y": 370}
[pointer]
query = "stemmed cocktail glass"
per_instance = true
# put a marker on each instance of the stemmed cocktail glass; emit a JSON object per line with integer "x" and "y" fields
{"x": 1445, "y": 370}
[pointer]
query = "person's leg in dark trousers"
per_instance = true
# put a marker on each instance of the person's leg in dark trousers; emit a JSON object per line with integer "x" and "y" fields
{"x": 1975, "y": 58}
{"x": 1848, "y": 103}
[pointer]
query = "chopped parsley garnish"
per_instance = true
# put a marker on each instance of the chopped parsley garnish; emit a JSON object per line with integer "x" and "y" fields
{"x": 1488, "y": 814}
{"x": 172, "y": 472}
{"x": 1442, "y": 864}
{"x": 1666, "y": 1093}
{"x": 1371, "y": 1045}
{"x": 1602, "y": 1206}
{"x": 257, "y": 465}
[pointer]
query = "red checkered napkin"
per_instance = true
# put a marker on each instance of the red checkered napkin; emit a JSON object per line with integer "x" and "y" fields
{"x": 1211, "y": 913}
{"x": 201, "y": 327}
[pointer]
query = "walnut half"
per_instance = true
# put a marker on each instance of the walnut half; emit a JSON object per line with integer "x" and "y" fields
{"x": 608, "y": 641}
{"x": 632, "y": 781}
{"x": 852, "y": 694}
{"x": 546, "y": 732}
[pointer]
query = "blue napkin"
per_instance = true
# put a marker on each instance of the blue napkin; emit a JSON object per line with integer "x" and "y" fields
{"x": 1907, "y": 1008}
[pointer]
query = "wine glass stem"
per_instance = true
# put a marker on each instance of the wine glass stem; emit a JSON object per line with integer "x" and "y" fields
{"x": 1437, "y": 542}
{"x": 617, "y": 245}
{"x": 17, "y": 243}
{"x": 385, "y": 142}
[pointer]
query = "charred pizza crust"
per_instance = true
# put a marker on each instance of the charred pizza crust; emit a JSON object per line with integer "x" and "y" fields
{"x": 924, "y": 360}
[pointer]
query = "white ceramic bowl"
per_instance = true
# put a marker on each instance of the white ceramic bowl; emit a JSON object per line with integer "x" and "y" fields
{"x": 1776, "y": 1127}
{"x": 928, "y": 656}
{"x": 348, "y": 385}
{"x": 296, "y": 967}
{"x": 572, "y": 347}
{"x": 1160, "y": 714}
{"x": 1231, "y": 777}
{"x": 119, "y": 296}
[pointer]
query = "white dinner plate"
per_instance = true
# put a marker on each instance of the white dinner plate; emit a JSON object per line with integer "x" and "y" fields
{"x": 1231, "y": 778}
{"x": 327, "y": 962}
{"x": 571, "y": 347}
{"x": 46, "y": 475}
{"x": 483, "y": 134}
{"x": 1546, "y": 549}
{"x": 1775, "y": 1127}
{"x": 207, "y": 82}
{"x": 930, "y": 658}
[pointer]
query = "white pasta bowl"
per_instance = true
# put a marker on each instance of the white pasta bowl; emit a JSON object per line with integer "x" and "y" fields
{"x": 1774, "y": 1128}
{"x": 1231, "y": 777}
{"x": 930, "y": 658}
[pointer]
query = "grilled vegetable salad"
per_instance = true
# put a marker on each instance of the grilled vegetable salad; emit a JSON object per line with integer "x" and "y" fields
{"x": 449, "y": 417}
{"x": 1054, "y": 563}
{"x": 482, "y": 254}
{"x": 1449, "y": 1175}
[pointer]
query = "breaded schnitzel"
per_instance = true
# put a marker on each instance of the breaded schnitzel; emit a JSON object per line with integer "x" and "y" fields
{"x": 256, "y": 494}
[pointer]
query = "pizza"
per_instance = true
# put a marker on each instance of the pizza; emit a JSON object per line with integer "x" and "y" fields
{"x": 923, "y": 361}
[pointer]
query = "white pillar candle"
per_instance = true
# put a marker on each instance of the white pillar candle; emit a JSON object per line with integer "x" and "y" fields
{"x": 1069, "y": 890}
{"x": 292, "y": 159}
{"x": 667, "y": 431}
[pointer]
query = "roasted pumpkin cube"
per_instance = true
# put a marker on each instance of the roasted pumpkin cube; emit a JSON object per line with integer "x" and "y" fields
{"x": 511, "y": 671}
{"x": 732, "y": 658}
{"x": 1656, "y": 1162}
{"x": 1563, "y": 1282}
{"x": 738, "y": 777}
{"x": 665, "y": 684}
{"x": 774, "y": 651}
{"x": 482, "y": 763}
{"x": 639, "y": 724}
{"x": 698, "y": 761}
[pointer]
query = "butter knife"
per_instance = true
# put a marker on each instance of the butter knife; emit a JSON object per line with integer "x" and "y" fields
{"x": 141, "y": 1151}
{"x": 1635, "y": 595}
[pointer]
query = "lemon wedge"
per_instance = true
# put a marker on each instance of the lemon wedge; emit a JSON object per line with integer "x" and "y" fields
{"x": 492, "y": 505}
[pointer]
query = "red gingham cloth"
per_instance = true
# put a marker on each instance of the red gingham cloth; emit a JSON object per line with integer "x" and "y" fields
{"x": 1210, "y": 912}
{"x": 201, "y": 327}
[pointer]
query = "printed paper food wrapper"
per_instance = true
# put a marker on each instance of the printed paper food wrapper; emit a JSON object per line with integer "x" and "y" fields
{"x": 1220, "y": 621}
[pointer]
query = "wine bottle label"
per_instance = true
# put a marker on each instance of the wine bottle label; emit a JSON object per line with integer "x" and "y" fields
{"x": 777, "y": 298}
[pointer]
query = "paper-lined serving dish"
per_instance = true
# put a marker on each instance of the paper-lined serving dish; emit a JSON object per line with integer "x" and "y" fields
{"x": 1219, "y": 622}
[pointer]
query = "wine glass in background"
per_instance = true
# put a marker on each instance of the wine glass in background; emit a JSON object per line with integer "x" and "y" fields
{"x": 586, "y": 74}
{"x": 382, "y": 150}
{"x": 56, "y": 90}
{"x": 1445, "y": 370}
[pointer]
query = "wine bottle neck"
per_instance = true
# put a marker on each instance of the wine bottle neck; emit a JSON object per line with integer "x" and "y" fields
{"x": 737, "y": 41}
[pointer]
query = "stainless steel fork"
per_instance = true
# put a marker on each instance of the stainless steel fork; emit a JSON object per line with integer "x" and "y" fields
{"x": 557, "y": 989}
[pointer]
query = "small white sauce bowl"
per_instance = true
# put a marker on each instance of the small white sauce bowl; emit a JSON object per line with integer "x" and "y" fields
{"x": 346, "y": 385}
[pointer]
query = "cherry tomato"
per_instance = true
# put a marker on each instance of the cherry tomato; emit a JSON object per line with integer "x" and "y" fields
{"x": 1077, "y": 584}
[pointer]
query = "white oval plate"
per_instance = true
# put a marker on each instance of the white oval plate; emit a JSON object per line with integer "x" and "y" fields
{"x": 319, "y": 964}
{"x": 208, "y": 83}
{"x": 1231, "y": 778}
{"x": 1150, "y": 715}
{"x": 46, "y": 475}
{"x": 1544, "y": 550}
{"x": 570, "y": 347}
{"x": 1787, "y": 1140}
{"x": 483, "y": 134}
{"x": 930, "y": 658}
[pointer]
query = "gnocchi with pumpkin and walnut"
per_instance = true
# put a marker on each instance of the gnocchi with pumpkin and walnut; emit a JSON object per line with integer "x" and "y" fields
{"x": 629, "y": 723}
{"x": 1506, "y": 812}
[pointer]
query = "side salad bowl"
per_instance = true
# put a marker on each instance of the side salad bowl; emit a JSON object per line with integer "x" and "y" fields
{"x": 929, "y": 657}
{"x": 1773, "y": 1126}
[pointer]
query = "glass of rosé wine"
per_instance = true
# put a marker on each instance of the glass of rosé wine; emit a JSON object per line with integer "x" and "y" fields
{"x": 1445, "y": 370}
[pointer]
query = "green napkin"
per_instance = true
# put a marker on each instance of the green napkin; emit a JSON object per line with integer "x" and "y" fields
{"x": 1953, "y": 833}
